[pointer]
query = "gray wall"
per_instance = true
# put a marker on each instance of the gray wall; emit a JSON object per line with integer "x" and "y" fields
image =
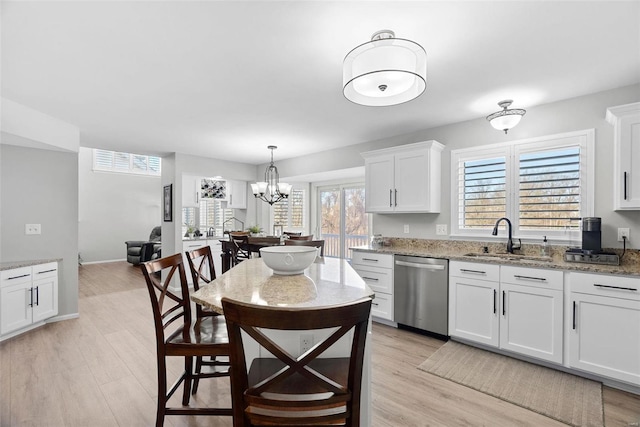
{"x": 114, "y": 207}
{"x": 580, "y": 113}
{"x": 41, "y": 187}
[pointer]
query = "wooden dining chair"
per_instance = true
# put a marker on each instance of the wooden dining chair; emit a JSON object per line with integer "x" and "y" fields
{"x": 240, "y": 247}
{"x": 290, "y": 390}
{"x": 203, "y": 271}
{"x": 292, "y": 233}
{"x": 309, "y": 237}
{"x": 316, "y": 243}
{"x": 178, "y": 334}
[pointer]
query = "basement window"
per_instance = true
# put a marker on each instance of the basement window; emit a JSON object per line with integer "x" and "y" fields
{"x": 543, "y": 185}
{"x": 136, "y": 164}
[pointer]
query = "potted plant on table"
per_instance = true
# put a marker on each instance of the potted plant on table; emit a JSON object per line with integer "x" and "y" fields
{"x": 255, "y": 230}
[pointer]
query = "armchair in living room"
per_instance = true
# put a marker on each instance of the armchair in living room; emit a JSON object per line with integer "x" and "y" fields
{"x": 139, "y": 251}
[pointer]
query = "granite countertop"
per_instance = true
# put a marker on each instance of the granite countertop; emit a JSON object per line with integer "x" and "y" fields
{"x": 328, "y": 281}
{"x": 18, "y": 264}
{"x": 456, "y": 250}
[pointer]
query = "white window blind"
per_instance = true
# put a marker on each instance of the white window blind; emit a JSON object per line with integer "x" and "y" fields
{"x": 213, "y": 215}
{"x": 543, "y": 185}
{"x": 137, "y": 164}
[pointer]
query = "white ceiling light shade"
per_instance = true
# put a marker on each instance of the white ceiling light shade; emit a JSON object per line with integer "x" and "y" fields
{"x": 271, "y": 190}
{"x": 385, "y": 71}
{"x": 506, "y": 119}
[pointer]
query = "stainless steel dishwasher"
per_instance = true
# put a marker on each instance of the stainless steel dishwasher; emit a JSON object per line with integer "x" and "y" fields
{"x": 421, "y": 293}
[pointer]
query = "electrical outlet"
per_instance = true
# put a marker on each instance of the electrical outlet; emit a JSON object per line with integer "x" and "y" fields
{"x": 441, "y": 229}
{"x": 623, "y": 232}
{"x": 32, "y": 229}
{"x": 306, "y": 342}
{"x": 406, "y": 229}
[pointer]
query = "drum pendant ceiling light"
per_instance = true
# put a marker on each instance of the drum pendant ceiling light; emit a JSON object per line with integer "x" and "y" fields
{"x": 506, "y": 119}
{"x": 385, "y": 71}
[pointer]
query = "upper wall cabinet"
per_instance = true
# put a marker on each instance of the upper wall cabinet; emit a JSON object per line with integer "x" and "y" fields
{"x": 237, "y": 195}
{"x": 404, "y": 179}
{"x": 626, "y": 182}
{"x": 190, "y": 191}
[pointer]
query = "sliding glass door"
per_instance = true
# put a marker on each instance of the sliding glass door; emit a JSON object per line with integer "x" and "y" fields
{"x": 343, "y": 221}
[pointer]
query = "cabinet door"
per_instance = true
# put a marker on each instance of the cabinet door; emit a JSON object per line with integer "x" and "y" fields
{"x": 411, "y": 178}
{"x": 531, "y": 321}
{"x": 189, "y": 245}
{"x": 237, "y": 198}
{"x": 473, "y": 310}
{"x": 605, "y": 336}
{"x": 626, "y": 179}
{"x": 190, "y": 189}
{"x": 382, "y": 306}
{"x": 216, "y": 252}
{"x": 379, "y": 184}
{"x": 45, "y": 298}
{"x": 16, "y": 310}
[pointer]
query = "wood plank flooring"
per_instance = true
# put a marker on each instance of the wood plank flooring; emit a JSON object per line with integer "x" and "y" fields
{"x": 99, "y": 370}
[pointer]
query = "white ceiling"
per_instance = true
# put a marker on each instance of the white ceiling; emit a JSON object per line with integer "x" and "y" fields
{"x": 227, "y": 78}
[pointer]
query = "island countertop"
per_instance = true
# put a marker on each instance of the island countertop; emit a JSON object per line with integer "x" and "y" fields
{"x": 328, "y": 281}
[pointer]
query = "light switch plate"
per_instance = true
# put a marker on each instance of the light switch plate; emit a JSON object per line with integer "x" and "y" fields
{"x": 32, "y": 229}
{"x": 441, "y": 229}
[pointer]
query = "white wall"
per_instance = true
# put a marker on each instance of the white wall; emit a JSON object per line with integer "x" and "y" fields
{"x": 584, "y": 112}
{"x": 41, "y": 187}
{"x": 114, "y": 207}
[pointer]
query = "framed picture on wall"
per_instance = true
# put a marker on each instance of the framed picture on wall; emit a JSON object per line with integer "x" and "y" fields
{"x": 168, "y": 203}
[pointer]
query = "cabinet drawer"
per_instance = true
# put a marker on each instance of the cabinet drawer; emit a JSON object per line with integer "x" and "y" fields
{"x": 42, "y": 271}
{"x": 196, "y": 244}
{"x": 378, "y": 279}
{"x": 371, "y": 258}
{"x": 537, "y": 277}
{"x": 474, "y": 270}
{"x": 382, "y": 306}
{"x": 605, "y": 285}
{"x": 15, "y": 275}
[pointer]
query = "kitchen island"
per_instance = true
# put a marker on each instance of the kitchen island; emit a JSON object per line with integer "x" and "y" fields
{"x": 328, "y": 281}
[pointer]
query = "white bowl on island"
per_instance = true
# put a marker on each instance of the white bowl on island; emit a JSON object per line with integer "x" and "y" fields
{"x": 288, "y": 260}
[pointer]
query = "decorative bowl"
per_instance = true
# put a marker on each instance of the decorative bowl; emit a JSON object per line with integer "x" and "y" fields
{"x": 288, "y": 260}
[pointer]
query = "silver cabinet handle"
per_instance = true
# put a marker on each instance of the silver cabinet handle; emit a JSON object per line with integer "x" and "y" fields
{"x": 539, "y": 279}
{"x": 17, "y": 277}
{"x": 370, "y": 259}
{"x": 370, "y": 278}
{"x": 47, "y": 271}
{"x": 464, "y": 270}
{"x": 418, "y": 265}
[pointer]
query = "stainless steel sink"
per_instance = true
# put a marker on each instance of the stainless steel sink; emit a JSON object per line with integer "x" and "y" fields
{"x": 509, "y": 257}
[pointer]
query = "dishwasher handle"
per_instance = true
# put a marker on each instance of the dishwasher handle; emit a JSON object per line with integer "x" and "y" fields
{"x": 433, "y": 267}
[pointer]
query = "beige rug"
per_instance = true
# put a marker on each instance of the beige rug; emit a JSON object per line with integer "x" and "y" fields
{"x": 558, "y": 395}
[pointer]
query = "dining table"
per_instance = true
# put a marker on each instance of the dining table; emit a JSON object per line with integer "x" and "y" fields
{"x": 326, "y": 282}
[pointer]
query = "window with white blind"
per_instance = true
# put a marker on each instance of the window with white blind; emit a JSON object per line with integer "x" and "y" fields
{"x": 543, "y": 185}
{"x": 291, "y": 212}
{"x": 209, "y": 214}
{"x": 137, "y": 164}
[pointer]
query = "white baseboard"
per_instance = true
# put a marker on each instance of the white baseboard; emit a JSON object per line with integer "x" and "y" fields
{"x": 103, "y": 262}
{"x": 63, "y": 317}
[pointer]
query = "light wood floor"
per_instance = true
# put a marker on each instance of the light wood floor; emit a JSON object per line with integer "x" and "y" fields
{"x": 99, "y": 370}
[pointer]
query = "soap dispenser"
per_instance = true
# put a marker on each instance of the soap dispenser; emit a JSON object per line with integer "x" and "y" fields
{"x": 544, "y": 249}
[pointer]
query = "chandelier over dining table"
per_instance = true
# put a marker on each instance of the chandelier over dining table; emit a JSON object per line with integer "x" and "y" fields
{"x": 271, "y": 190}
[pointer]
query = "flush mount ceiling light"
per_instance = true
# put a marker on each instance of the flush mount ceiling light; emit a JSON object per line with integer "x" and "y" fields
{"x": 506, "y": 119}
{"x": 271, "y": 190}
{"x": 385, "y": 71}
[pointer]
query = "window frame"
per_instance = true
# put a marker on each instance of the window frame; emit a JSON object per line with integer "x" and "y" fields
{"x": 131, "y": 170}
{"x": 305, "y": 211}
{"x": 511, "y": 150}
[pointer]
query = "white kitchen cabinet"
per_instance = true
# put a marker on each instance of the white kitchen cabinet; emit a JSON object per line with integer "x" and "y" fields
{"x": 604, "y": 335}
{"x": 190, "y": 191}
{"x": 28, "y": 295}
{"x": 626, "y": 167}
{"x": 377, "y": 272}
{"x": 513, "y": 308}
{"x": 531, "y": 304}
{"x": 216, "y": 254}
{"x": 473, "y": 302}
{"x": 404, "y": 179}
{"x": 237, "y": 197}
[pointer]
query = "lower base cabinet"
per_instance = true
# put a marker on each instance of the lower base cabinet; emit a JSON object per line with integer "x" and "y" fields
{"x": 511, "y": 308}
{"x": 604, "y": 337}
{"x": 28, "y": 295}
{"x": 377, "y": 272}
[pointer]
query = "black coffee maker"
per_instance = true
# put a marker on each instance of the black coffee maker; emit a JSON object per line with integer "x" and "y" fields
{"x": 591, "y": 235}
